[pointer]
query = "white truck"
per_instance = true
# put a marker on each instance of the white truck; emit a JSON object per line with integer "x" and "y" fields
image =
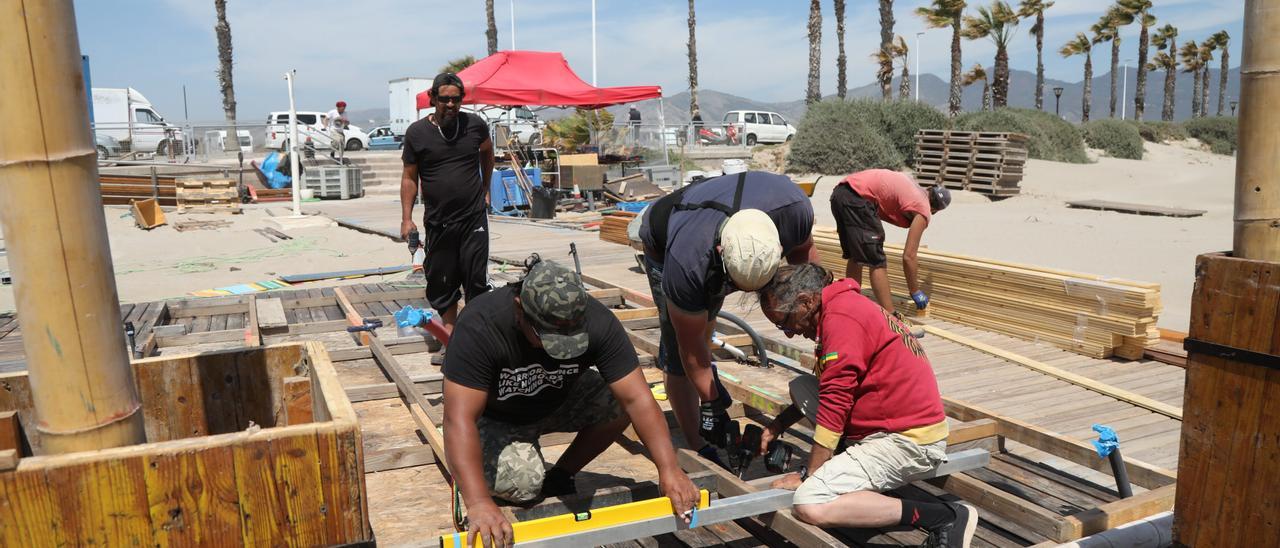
{"x": 128, "y": 117}
{"x": 403, "y": 107}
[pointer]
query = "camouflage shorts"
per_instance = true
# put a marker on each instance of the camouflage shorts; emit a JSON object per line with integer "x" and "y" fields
{"x": 513, "y": 465}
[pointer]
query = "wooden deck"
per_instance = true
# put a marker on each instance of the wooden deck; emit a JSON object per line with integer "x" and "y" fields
{"x": 408, "y": 496}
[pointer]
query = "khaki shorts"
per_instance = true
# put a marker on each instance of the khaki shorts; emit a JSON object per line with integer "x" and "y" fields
{"x": 512, "y": 457}
{"x": 880, "y": 462}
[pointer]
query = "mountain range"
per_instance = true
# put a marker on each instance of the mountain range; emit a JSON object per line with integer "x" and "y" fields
{"x": 934, "y": 91}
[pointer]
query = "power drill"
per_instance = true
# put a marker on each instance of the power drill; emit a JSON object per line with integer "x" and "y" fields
{"x": 415, "y": 241}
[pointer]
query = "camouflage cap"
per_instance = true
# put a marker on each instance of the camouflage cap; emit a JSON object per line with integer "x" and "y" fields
{"x": 555, "y": 302}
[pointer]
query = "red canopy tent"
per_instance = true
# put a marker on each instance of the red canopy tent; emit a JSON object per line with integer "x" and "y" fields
{"x": 537, "y": 78}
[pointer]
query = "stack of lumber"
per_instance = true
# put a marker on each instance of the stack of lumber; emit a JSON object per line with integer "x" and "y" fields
{"x": 1090, "y": 315}
{"x": 614, "y": 227}
{"x": 124, "y": 189}
{"x": 985, "y": 162}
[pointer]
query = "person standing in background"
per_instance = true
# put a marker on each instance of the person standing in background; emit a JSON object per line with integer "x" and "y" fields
{"x": 336, "y": 122}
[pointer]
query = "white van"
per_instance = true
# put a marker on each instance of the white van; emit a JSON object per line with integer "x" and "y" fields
{"x": 310, "y": 124}
{"x": 126, "y": 116}
{"x": 761, "y": 127}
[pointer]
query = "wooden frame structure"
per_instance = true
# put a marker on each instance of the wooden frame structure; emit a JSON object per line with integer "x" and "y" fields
{"x": 244, "y": 446}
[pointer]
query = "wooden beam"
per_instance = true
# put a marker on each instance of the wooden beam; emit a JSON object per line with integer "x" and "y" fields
{"x": 353, "y": 318}
{"x": 1079, "y": 380}
{"x": 972, "y": 431}
{"x": 9, "y": 459}
{"x": 10, "y": 431}
{"x": 1141, "y": 473}
{"x": 783, "y": 521}
{"x": 1007, "y": 505}
{"x": 1116, "y": 513}
{"x": 399, "y": 457}
{"x": 204, "y": 337}
{"x": 635, "y": 313}
{"x": 426, "y": 384}
{"x": 252, "y": 332}
{"x": 628, "y": 294}
{"x": 298, "y": 405}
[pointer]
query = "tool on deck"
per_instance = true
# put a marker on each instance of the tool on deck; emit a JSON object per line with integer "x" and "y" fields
{"x": 129, "y": 336}
{"x": 742, "y": 453}
{"x": 778, "y": 456}
{"x": 600, "y": 518}
{"x": 369, "y": 325}
{"x": 577, "y": 264}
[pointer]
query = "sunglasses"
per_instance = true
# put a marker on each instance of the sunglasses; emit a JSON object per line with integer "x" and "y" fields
{"x": 449, "y": 99}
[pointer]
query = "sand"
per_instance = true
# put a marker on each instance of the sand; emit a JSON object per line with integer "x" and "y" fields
{"x": 1035, "y": 228}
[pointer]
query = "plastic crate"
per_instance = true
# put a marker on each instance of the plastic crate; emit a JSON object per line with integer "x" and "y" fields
{"x": 505, "y": 192}
{"x": 334, "y": 182}
{"x": 632, "y": 207}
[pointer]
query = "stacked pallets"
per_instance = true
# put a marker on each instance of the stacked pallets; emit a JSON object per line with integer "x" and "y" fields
{"x": 985, "y": 162}
{"x": 1090, "y": 315}
{"x": 208, "y": 195}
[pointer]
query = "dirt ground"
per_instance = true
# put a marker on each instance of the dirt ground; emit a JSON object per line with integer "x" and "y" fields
{"x": 1035, "y": 227}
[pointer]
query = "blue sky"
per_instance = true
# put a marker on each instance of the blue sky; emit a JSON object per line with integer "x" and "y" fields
{"x": 349, "y": 50}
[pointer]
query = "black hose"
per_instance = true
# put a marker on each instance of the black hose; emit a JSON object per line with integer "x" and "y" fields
{"x": 756, "y": 339}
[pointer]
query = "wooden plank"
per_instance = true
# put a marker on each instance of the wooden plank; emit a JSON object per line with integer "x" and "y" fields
{"x": 1007, "y": 505}
{"x": 173, "y": 399}
{"x": 10, "y": 431}
{"x": 202, "y": 337}
{"x": 192, "y": 497}
{"x": 297, "y": 475}
{"x": 399, "y": 457}
{"x": 271, "y": 313}
{"x": 259, "y": 500}
{"x": 353, "y": 317}
{"x": 1079, "y": 380}
{"x": 252, "y": 329}
{"x": 298, "y": 403}
{"x": 1120, "y": 512}
{"x": 1135, "y": 209}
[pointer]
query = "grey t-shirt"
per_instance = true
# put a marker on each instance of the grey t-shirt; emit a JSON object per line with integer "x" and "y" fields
{"x": 691, "y": 235}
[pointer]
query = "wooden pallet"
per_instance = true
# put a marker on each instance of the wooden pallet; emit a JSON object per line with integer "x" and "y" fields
{"x": 207, "y": 195}
{"x": 987, "y": 162}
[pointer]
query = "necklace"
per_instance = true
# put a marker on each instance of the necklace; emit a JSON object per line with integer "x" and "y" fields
{"x": 456, "y": 128}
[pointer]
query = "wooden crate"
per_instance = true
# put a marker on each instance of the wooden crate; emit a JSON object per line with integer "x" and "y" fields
{"x": 207, "y": 195}
{"x": 256, "y": 446}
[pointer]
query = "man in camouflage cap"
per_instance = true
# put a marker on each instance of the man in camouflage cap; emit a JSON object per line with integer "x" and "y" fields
{"x": 535, "y": 357}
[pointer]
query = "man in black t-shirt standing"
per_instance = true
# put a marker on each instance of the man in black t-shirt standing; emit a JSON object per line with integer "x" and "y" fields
{"x": 449, "y": 157}
{"x": 520, "y": 365}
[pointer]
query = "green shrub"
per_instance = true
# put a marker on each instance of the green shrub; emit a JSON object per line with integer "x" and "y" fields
{"x": 1115, "y": 137}
{"x": 839, "y": 137}
{"x": 1052, "y": 138}
{"x": 1157, "y": 131}
{"x": 1219, "y": 132}
{"x": 901, "y": 120}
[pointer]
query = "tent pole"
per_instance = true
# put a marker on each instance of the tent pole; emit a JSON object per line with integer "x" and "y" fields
{"x": 82, "y": 385}
{"x": 662, "y": 123}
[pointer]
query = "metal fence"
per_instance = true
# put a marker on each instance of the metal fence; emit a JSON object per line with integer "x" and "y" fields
{"x": 206, "y": 142}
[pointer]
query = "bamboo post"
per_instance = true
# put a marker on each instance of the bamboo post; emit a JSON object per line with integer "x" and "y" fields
{"x": 55, "y": 228}
{"x": 1257, "y": 210}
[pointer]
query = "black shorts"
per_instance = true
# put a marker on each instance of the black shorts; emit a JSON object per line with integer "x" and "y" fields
{"x": 859, "y": 226}
{"x": 457, "y": 261}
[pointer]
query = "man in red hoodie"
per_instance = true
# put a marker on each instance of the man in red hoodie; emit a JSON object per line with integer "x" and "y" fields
{"x": 874, "y": 390}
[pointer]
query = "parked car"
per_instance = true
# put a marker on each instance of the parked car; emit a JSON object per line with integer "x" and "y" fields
{"x": 382, "y": 138}
{"x": 108, "y": 146}
{"x": 761, "y": 127}
{"x": 310, "y": 126}
{"x": 217, "y": 140}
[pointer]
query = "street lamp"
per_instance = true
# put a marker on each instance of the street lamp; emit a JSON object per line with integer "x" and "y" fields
{"x": 918, "y": 35}
{"x": 1057, "y": 101}
{"x": 1124, "y": 95}
{"x": 1233, "y": 107}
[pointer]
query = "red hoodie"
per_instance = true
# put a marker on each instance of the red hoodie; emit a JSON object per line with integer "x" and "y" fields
{"x": 873, "y": 375}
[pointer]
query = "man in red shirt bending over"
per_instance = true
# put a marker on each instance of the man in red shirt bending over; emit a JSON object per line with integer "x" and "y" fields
{"x": 874, "y": 390}
{"x": 860, "y": 202}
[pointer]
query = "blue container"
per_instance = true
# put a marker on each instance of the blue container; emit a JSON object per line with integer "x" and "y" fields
{"x": 505, "y": 192}
{"x": 633, "y": 207}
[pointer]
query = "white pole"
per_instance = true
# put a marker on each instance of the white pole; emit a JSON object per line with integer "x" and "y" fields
{"x": 513, "y": 24}
{"x": 918, "y": 34}
{"x": 1124, "y": 95}
{"x": 293, "y": 148}
{"x": 662, "y": 129}
{"x": 593, "y": 42}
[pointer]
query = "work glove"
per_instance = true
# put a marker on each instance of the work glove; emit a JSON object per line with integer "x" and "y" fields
{"x": 714, "y": 418}
{"x": 922, "y": 300}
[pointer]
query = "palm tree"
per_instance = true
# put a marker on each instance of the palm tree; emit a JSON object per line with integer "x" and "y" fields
{"x": 943, "y": 14}
{"x": 813, "y": 92}
{"x": 491, "y": 33}
{"x": 1206, "y": 54}
{"x": 886, "y": 44}
{"x": 901, "y": 50}
{"x": 223, "y": 31}
{"x": 842, "y": 81}
{"x": 1082, "y": 45}
{"x": 456, "y": 65}
{"x": 996, "y": 23}
{"x": 693, "y": 64}
{"x": 1036, "y": 8}
{"x": 1222, "y": 40}
{"x": 1107, "y": 29}
{"x": 1167, "y": 38}
{"x": 1139, "y": 10}
{"x": 1191, "y": 62}
{"x": 975, "y": 74}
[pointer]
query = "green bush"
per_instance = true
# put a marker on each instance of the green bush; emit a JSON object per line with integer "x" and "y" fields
{"x": 1052, "y": 138}
{"x": 1219, "y": 132}
{"x": 838, "y": 137}
{"x": 1115, "y": 137}
{"x": 1157, "y": 131}
{"x": 901, "y": 120}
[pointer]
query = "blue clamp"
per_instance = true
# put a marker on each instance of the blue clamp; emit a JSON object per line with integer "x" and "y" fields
{"x": 1107, "y": 440}
{"x": 412, "y": 317}
{"x": 693, "y": 520}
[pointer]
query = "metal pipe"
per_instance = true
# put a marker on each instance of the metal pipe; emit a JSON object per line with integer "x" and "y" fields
{"x": 1257, "y": 207}
{"x": 82, "y": 386}
{"x": 1150, "y": 532}
{"x": 1121, "y": 474}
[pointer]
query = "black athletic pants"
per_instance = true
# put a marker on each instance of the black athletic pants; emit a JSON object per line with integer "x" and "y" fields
{"x": 457, "y": 261}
